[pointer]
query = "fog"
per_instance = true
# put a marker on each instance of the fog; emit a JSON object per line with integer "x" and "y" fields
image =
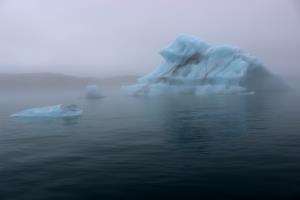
{"x": 105, "y": 38}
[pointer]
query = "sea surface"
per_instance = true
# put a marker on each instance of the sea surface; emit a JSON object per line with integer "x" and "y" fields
{"x": 166, "y": 147}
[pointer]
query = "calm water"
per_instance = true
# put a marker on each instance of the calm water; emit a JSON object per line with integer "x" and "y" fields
{"x": 214, "y": 147}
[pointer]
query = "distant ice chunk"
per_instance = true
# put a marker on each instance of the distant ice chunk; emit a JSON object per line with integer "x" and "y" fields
{"x": 193, "y": 66}
{"x": 93, "y": 92}
{"x": 55, "y": 111}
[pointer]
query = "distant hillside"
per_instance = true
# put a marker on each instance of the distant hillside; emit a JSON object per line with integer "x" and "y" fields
{"x": 56, "y": 81}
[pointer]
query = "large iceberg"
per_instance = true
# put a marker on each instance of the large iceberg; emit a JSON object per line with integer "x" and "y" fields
{"x": 93, "y": 92}
{"x": 56, "y": 111}
{"x": 193, "y": 66}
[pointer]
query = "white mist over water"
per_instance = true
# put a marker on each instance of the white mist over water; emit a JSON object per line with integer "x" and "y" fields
{"x": 115, "y": 38}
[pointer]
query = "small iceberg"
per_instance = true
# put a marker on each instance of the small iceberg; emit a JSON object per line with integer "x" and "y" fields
{"x": 93, "y": 92}
{"x": 55, "y": 111}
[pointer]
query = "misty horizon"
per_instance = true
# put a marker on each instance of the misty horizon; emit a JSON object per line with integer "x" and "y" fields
{"x": 110, "y": 38}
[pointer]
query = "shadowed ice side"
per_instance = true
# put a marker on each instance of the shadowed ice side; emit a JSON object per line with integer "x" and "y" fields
{"x": 192, "y": 66}
{"x": 55, "y": 111}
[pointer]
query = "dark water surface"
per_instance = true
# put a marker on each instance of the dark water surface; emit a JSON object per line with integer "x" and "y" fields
{"x": 213, "y": 147}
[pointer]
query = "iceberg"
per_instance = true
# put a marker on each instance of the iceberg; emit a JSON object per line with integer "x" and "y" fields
{"x": 193, "y": 66}
{"x": 93, "y": 92}
{"x": 55, "y": 111}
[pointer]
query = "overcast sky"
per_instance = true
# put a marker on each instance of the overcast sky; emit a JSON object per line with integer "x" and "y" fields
{"x": 123, "y": 37}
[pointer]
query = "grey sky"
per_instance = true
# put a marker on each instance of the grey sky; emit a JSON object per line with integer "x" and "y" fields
{"x": 121, "y": 37}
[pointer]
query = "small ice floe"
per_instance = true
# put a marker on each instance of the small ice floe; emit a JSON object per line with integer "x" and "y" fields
{"x": 55, "y": 111}
{"x": 93, "y": 92}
